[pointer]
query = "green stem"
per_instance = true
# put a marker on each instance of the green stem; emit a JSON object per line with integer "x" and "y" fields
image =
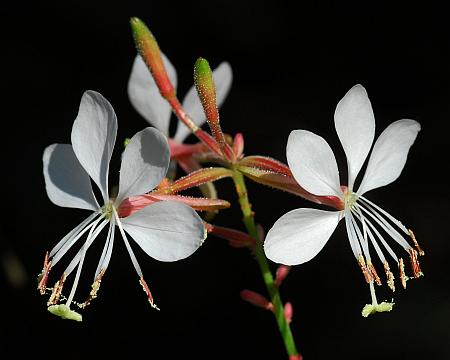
{"x": 275, "y": 298}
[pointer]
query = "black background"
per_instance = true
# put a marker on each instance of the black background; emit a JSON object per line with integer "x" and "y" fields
{"x": 291, "y": 66}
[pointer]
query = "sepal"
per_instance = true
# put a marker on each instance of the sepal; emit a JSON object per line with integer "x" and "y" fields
{"x": 196, "y": 178}
{"x": 288, "y": 184}
{"x": 136, "y": 203}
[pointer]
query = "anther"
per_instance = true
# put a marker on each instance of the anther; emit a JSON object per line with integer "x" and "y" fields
{"x": 415, "y": 266}
{"x": 365, "y": 270}
{"x": 416, "y": 244}
{"x": 43, "y": 276}
{"x": 403, "y": 277}
{"x": 94, "y": 289}
{"x": 373, "y": 273}
{"x": 389, "y": 276}
{"x": 56, "y": 292}
{"x": 147, "y": 291}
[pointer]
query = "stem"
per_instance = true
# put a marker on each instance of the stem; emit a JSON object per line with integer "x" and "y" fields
{"x": 275, "y": 298}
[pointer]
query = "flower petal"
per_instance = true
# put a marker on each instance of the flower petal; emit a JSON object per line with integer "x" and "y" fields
{"x": 223, "y": 76}
{"x": 389, "y": 154}
{"x": 312, "y": 163}
{"x": 93, "y": 136}
{"x": 144, "y": 163}
{"x": 166, "y": 230}
{"x": 355, "y": 126}
{"x": 66, "y": 182}
{"x": 299, "y": 235}
{"x": 145, "y": 97}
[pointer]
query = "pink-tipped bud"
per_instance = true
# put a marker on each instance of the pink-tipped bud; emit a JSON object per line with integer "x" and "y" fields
{"x": 288, "y": 312}
{"x": 256, "y": 299}
{"x": 282, "y": 273}
{"x": 149, "y": 50}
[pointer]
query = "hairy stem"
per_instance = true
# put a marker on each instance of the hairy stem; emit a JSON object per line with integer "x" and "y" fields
{"x": 275, "y": 298}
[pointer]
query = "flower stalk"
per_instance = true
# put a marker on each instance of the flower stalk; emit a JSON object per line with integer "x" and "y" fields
{"x": 275, "y": 298}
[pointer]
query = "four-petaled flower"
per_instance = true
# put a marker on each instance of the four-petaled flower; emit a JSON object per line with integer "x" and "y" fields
{"x": 166, "y": 230}
{"x": 299, "y": 235}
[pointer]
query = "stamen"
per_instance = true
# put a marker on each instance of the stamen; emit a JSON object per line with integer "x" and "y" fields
{"x": 56, "y": 291}
{"x": 361, "y": 238}
{"x": 127, "y": 244}
{"x": 95, "y": 287}
{"x": 377, "y": 233}
{"x": 416, "y": 244}
{"x": 95, "y": 231}
{"x": 107, "y": 249}
{"x": 92, "y": 235}
{"x": 390, "y": 276}
{"x": 365, "y": 270}
{"x": 371, "y": 237}
{"x": 43, "y": 276}
{"x": 368, "y": 270}
{"x": 354, "y": 243}
{"x": 403, "y": 277}
{"x": 385, "y": 213}
{"x": 70, "y": 242}
{"x": 415, "y": 266}
{"x": 147, "y": 291}
{"x": 74, "y": 232}
{"x": 386, "y": 226}
{"x": 373, "y": 273}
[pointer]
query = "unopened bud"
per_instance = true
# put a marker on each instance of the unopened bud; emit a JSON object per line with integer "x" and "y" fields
{"x": 149, "y": 50}
{"x": 204, "y": 83}
{"x": 288, "y": 312}
{"x": 282, "y": 272}
{"x": 256, "y": 299}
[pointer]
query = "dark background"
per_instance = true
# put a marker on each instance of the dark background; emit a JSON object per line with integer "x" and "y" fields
{"x": 291, "y": 67}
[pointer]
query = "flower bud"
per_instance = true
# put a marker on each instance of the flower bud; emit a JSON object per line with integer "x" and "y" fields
{"x": 282, "y": 273}
{"x": 204, "y": 83}
{"x": 149, "y": 50}
{"x": 288, "y": 312}
{"x": 256, "y": 299}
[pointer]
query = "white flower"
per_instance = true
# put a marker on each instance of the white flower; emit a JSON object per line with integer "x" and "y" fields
{"x": 166, "y": 231}
{"x": 299, "y": 235}
{"x": 146, "y": 99}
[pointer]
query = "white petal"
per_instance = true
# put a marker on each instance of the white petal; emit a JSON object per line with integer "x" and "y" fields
{"x": 93, "y": 136}
{"x": 166, "y": 231}
{"x": 355, "y": 126}
{"x": 145, "y": 97}
{"x": 312, "y": 163}
{"x": 223, "y": 77}
{"x": 389, "y": 154}
{"x": 66, "y": 182}
{"x": 299, "y": 235}
{"x": 144, "y": 163}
